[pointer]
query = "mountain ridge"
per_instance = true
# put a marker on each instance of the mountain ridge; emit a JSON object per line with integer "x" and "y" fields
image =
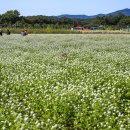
{"x": 125, "y": 11}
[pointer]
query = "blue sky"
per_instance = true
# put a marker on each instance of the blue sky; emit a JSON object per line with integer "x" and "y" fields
{"x": 58, "y": 7}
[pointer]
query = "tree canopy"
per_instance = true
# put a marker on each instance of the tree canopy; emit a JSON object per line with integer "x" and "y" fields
{"x": 12, "y": 18}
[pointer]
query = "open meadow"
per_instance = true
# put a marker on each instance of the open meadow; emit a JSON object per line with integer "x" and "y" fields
{"x": 65, "y": 82}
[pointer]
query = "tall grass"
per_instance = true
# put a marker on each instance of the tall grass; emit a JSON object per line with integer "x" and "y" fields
{"x": 42, "y": 31}
{"x": 65, "y": 31}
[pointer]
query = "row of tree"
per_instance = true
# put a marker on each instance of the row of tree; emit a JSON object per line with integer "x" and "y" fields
{"x": 13, "y": 19}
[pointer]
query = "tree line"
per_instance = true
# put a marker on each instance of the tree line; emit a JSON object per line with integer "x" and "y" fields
{"x": 13, "y": 19}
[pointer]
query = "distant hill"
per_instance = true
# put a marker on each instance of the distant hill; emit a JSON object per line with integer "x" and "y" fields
{"x": 124, "y": 11}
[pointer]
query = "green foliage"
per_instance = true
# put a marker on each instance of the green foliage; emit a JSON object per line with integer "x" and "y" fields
{"x": 48, "y": 30}
{"x": 10, "y": 17}
{"x": 13, "y": 19}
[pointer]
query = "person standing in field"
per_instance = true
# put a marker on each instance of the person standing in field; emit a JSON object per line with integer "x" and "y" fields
{"x": 1, "y": 32}
{"x": 8, "y": 32}
{"x": 24, "y": 33}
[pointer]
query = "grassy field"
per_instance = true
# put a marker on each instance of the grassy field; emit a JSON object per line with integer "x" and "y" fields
{"x": 65, "y": 82}
{"x": 64, "y": 31}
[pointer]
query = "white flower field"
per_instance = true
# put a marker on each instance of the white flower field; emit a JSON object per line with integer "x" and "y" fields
{"x": 65, "y": 82}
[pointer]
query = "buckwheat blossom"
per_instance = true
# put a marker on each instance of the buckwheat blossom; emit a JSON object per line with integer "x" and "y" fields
{"x": 65, "y": 81}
